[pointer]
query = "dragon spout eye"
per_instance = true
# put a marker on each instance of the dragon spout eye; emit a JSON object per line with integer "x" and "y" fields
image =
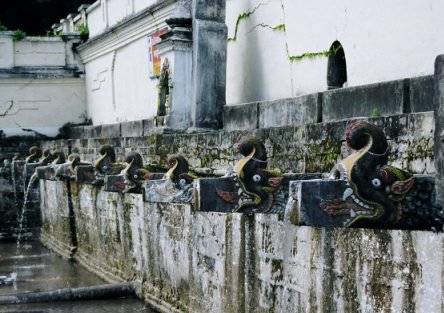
{"x": 376, "y": 182}
{"x": 182, "y": 182}
{"x": 257, "y": 178}
{"x": 135, "y": 176}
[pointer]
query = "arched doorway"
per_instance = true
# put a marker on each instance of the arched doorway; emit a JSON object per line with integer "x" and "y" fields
{"x": 337, "y": 66}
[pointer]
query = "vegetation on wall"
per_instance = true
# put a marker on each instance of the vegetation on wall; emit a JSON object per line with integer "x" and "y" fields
{"x": 84, "y": 32}
{"x": 2, "y": 27}
{"x": 281, "y": 27}
{"x": 18, "y": 35}
{"x": 241, "y": 17}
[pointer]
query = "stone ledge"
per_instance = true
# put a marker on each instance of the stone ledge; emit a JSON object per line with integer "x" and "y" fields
{"x": 410, "y": 95}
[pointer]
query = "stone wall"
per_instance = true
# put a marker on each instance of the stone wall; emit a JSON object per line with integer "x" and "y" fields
{"x": 381, "y": 99}
{"x": 214, "y": 262}
{"x": 190, "y": 261}
{"x": 307, "y": 148}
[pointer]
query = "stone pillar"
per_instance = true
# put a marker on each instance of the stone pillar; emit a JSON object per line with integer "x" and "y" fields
{"x": 209, "y": 63}
{"x": 175, "y": 49}
{"x": 6, "y": 49}
{"x": 439, "y": 128}
{"x": 72, "y": 58}
{"x": 82, "y": 11}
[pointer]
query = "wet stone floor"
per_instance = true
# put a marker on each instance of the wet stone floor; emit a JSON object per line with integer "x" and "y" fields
{"x": 38, "y": 269}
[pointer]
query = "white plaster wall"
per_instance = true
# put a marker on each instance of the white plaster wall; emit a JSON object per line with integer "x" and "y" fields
{"x": 117, "y": 10}
{"x": 39, "y": 51}
{"x": 135, "y": 92}
{"x": 96, "y": 19}
{"x": 383, "y": 40}
{"x": 99, "y": 98}
{"x": 107, "y": 13}
{"x": 257, "y": 65}
{"x": 139, "y": 5}
{"x": 118, "y": 86}
{"x": 43, "y": 105}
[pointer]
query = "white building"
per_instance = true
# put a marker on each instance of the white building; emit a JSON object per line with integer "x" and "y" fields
{"x": 41, "y": 85}
{"x": 275, "y": 49}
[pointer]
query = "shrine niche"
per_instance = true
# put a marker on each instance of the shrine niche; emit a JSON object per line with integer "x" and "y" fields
{"x": 164, "y": 86}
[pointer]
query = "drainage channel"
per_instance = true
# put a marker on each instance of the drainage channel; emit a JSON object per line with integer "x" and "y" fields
{"x": 46, "y": 283}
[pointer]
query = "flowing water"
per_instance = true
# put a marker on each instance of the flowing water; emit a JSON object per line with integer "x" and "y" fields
{"x": 25, "y": 204}
{"x": 40, "y": 270}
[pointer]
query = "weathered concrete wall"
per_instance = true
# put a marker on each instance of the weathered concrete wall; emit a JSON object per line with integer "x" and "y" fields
{"x": 191, "y": 261}
{"x": 35, "y": 51}
{"x": 32, "y": 106}
{"x": 213, "y": 262}
{"x": 57, "y": 232}
{"x": 306, "y": 148}
{"x": 104, "y": 243}
{"x": 40, "y": 77}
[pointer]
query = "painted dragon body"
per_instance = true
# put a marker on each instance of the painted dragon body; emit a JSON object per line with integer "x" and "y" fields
{"x": 256, "y": 183}
{"x": 374, "y": 189}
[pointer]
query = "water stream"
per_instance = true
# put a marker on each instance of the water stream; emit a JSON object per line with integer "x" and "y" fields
{"x": 25, "y": 204}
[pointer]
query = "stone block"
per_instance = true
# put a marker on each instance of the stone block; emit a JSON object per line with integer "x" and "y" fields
{"x": 375, "y": 100}
{"x": 204, "y": 10}
{"x": 110, "y": 131}
{"x": 45, "y": 172}
{"x": 148, "y": 126}
{"x": 241, "y": 117}
{"x": 115, "y": 183}
{"x": 85, "y": 174}
{"x": 225, "y": 195}
{"x": 307, "y": 199}
{"x": 294, "y": 111}
{"x": 92, "y": 131}
{"x": 29, "y": 170}
{"x": 160, "y": 190}
{"x": 118, "y": 183}
{"x": 439, "y": 127}
{"x": 421, "y": 94}
{"x": 76, "y": 132}
{"x": 132, "y": 129}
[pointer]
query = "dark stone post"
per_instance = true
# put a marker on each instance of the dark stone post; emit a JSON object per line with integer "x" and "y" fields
{"x": 439, "y": 128}
{"x": 209, "y": 63}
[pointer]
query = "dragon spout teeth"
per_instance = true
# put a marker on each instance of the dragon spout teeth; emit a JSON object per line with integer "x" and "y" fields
{"x": 356, "y": 205}
{"x": 347, "y": 193}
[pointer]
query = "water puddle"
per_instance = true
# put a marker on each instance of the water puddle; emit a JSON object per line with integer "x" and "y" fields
{"x": 125, "y": 305}
{"x": 38, "y": 269}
